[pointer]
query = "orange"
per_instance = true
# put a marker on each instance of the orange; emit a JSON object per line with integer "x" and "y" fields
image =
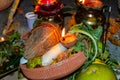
{"x": 97, "y": 71}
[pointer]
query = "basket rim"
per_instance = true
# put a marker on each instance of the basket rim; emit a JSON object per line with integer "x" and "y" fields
{"x": 44, "y": 72}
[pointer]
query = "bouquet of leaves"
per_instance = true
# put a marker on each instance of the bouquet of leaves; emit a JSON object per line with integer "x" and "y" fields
{"x": 94, "y": 48}
{"x": 11, "y": 51}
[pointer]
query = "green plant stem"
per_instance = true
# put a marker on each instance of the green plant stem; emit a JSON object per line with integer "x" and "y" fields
{"x": 89, "y": 35}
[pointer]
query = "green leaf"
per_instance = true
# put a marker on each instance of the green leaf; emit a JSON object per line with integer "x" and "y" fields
{"x": 98, "y": 33}
{"x": 91, "y": 37}
{"x": 14, "y": 36}
{"x": 32, "y": 63}
{"x": 79, "y": 46}
{"x": 38, "y": 21}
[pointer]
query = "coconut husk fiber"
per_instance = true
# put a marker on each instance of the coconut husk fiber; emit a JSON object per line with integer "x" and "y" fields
{"x": 41, "y": 39}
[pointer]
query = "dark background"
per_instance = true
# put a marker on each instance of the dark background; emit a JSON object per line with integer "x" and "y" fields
{"x": 27, "y": 5}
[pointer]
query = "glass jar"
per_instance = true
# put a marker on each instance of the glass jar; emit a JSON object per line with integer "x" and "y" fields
{"x": 90, "y": 13}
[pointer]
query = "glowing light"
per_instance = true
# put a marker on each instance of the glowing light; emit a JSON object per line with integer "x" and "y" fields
{"x": 90, "y": 15}
{"x": 42, "y": 2}
{"x": 63, "y": 32}
{"x": 2, "y": 39}
{"x": 82, "y": 1}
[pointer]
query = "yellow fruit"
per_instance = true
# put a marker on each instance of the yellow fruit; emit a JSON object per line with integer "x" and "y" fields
{"x": 97, "y": 71}
{"x": 98, "y": 61}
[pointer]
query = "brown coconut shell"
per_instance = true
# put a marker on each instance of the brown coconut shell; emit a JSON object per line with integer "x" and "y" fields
{"x": 55, "y": 71}
{"x": 41, "y": 39}
{"x": 5, "y": 4}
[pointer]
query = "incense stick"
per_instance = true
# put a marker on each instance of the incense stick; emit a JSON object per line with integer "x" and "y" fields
{"x": 107, "y": 24}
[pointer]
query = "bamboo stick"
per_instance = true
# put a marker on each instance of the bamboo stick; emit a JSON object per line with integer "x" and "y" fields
{"x": 10, "y": 16}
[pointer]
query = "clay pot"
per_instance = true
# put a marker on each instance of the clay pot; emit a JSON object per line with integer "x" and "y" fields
{"x": 94, "y": 4}
{"x": 55, "y": 71}
{"x": 69, "y": 40}
{"x": 5, "y": 4}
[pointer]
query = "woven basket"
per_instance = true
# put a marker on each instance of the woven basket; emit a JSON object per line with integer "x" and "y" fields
{"x": 55, "y": 71}
{"x": 5, "y": 4}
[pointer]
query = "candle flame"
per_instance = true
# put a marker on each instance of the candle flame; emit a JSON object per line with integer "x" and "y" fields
{"x": 2, "y": 39}
{"x": 63, "y": 32}
{"x": 82, "y": 1}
